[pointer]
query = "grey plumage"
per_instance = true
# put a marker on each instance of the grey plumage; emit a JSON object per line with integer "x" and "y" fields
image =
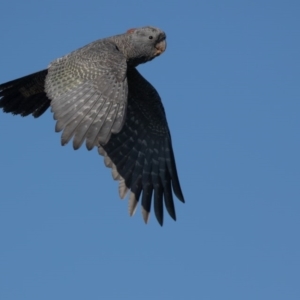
{"x": 98, "y": 97}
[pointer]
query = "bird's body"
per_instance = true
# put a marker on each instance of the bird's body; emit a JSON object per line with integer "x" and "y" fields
{"x": 98, "y": 97}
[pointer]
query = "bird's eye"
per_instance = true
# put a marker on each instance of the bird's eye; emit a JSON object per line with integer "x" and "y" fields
{"x": 150, "y": 37}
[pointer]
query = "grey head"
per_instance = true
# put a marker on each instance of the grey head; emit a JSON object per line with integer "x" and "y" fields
{"x": 144, "y": 44}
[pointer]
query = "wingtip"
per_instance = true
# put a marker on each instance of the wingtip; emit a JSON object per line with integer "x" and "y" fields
{"x": 160, "y": 222}
{"x": 177, "y": 191}
{"x": 115, "y": 173}
{"x": 146, "y": 215}
{"x": 123, "y": 189}
{"x": 132, "y": 204}
{"x": 181, "y": 198}
{"x": 107, "y": 161}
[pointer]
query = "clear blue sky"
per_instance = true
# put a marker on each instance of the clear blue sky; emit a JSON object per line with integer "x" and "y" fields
{"x": 229, "y": 81}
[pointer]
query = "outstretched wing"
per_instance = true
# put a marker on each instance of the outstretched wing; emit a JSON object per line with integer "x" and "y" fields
{"x": 141, "y": 154}
{"x": 25, "y": 95}
{"x": 88, "y": 91}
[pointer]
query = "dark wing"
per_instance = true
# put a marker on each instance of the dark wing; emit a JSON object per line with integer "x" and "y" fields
{"x": 141, "y": 154}
{"x": 88, "y": 92}
{"x": 25, "y": 95}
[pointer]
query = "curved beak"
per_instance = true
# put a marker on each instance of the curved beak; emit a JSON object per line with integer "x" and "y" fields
{"x": 160, "y": 47}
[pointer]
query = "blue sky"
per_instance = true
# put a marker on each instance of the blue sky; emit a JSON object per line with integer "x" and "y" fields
{"x": 229, "y": 81}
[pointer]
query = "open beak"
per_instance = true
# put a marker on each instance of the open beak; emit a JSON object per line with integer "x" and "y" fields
{"x": 160, "y": 47}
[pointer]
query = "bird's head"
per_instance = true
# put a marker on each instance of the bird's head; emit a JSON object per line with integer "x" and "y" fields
{"x": 147, "y": 43}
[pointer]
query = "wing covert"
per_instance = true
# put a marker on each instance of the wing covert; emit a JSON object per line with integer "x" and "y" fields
{"x": 88, "y": 91}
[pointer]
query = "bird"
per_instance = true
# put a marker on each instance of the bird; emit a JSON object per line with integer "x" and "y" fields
{"x": 98, "y": 97}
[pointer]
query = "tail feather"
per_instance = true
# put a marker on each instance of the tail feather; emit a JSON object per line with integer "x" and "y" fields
{"x": 25, "y": 96}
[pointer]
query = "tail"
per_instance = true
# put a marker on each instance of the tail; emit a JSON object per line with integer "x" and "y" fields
{"x": 25, "y": 96}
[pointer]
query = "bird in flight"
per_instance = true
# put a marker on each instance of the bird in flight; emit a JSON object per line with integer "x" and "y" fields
{"x": 98, "y": 97}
